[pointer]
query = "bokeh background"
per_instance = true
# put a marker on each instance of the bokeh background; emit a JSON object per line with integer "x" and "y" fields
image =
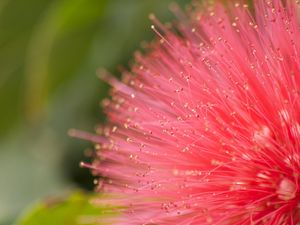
{"x": 50, "y": 51}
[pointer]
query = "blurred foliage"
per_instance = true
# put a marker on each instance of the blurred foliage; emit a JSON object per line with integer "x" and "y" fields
{"x": 49, "y": 53}
{"x": 75, "y": 210}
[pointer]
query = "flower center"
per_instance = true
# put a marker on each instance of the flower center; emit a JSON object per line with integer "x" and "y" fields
{"x": 286, "y": 189}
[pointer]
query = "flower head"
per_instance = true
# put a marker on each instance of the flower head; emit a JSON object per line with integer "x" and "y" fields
{"x": 205, "y": 128}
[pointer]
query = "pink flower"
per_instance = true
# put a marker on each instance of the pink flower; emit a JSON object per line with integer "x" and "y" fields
{"x": 205, "y": 128}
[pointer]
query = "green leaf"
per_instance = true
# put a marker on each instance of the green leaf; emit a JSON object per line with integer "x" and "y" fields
{"x": 77, "y": 209}
{"x": 68, "y": 26}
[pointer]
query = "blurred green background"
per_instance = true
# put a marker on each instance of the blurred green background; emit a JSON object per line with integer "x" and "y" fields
{"x": 49, "y": 53}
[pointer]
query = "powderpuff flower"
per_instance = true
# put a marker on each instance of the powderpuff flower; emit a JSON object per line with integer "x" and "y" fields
{"x": 205, "y": 127}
